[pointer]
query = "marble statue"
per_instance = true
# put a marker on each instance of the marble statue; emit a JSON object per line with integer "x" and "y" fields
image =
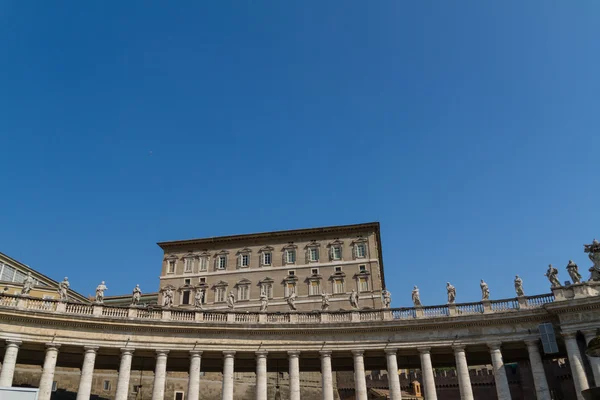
{"x": 324, "y": 301}
{"x": 264, "y": 302}
{"x": 199, "y": 298}
{"x": 416, "y": 297}
{"x": 573, "y": 271}
{"x": 519, "y": 286}
{"x": 168, "y": 297}
{"x": 100, "y": 292}
{"x": 231, "y": 300}
{"x": 552, "y": 275}
{"x": 387, "y": 298}
{"x": 27, "y": 284}
{"x": 137, "y": 295}
{"x": 593, "y": 251}
{"x": 63, "y": 289}
{"x": 354, "y": 299}
{"x": 451, "y": 293}
{"x": 485, "y": 290}
{"x": 291, "y": 301}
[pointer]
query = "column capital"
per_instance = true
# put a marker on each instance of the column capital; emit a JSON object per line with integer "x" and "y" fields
{"x": 458, "y": 348}
{"x": 13, "y": 343}
{"x": 494, "y": 346}
{"x": 162, "y": 352}
{"x": 424, "y": 349}
{"x": 294, "y": 353}
{"x": 569, "y": 335}
{"x": 325, "y": 353}
{"x": 196, "y": 353}
{"x": 91, "y": 349}
{"x": 393, "y": 351}
{"x": 229, "y": 353}
{"x": 127, "y": 351}
{"x": 261, "y": 354}
{"x": 357, "y": 352}
{"x": 52, "y": 346}
{"x": 531, "y": 342}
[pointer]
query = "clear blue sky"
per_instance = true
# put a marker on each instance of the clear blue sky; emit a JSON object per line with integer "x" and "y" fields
{"x": 469, "y": 130}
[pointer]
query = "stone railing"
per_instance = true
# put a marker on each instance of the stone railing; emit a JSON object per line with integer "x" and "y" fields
{"x": 293, "y": 317}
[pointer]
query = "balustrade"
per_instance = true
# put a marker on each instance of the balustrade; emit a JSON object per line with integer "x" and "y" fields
{"x": 251, "y": 318}
{"x": 76, "y": 308}
{"x": 114, "y": 312}
{"x": 43, "y": 305}
{"x": 435, "y": 311}
{"x": 469, "y": 308}
{"x": 215, "y": 317}
{"x": 504, "y": 305}
{"x": 540, "y": 299}
{"x": 182, "y": 315}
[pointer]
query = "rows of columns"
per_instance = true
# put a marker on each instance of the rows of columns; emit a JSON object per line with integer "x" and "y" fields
{"x": 466, "y": 392}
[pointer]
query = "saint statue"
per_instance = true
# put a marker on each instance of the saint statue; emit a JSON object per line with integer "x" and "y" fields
{"x": 354, "y": 299}
{"x": 168, "y": 297}
{"x": 324, "y": 301}
{"x": 199, "y": 298}
{"x": 27, "y": 284}
{"x": 387, "y": 298}
{"x": 451, "y": 293}
{"x": 264, "y": 302}
{"x": 593, "y": 251}
{"x": 416, "y": 297}
{"x": 573, "y": 271}
{"x": 231, "y": 300}
{"x": 552, "y": 275}
{"x": 63, "y": 289}
{"x": 100, "y": 292}
{"x": 519, "y": 286}
{"x": 137, "y": 295}
{"x": 485, "y": 290}
{"x": 291, "y": 301}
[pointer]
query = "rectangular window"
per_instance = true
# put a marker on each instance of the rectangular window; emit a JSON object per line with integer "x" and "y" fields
{"x": 314, "y": 271}
{"x": 202, "y": 280}
{"x": 222, "y": 262}
{"x": 290, "y": 256}
{"x": 220, "y": 295}
{"x": 203, "y": 263}
{"x": 243, "y": 292}
{"x": 363, "y": 285}
{"x": 171, "y": 267}
{"x": 179, "y": 396}
{"x": 336, "y": 253}
{"x": 313, "y": 254}
{"x": 290, "y": 288}
{"x": 187, "y": 281}
{"x": 189, "y": 265}
{"x": 314, "y": 288}
{"x": 245, "y": 260}
{"x": 338, "y": 286}
{"x": 267, "y": 258}
{"x": 362, "y": 268}
{"x": 361, "y": 250}
{"x": 338, "y": 269}
{"x": 54, "y": 386}
{"x": 186, "y": 297}
{"x": 106, "y": 386}
{"x": 267, "y": 289}
{"x": 291, "y": 273}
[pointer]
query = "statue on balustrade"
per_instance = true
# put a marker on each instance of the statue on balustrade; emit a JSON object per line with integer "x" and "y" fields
{"x": 199, "y": 298}
{"x": 485, "y": 290}
{"x": 137, "y": 295}
{"x": 324, "y": 301}
{"x": 28, "y": 284}
{"x": 167, "y": 297}
{"x": 63, "y": 289}
{"x": 552, "y": 275}
{"x": 264, "y": 302}
{"x": 593, "y": 251}
{"x": 291, "y": 301}
{"x": 354, "y": 299}
{"x": 519, "y": 286}
{"x": 387, "y": 298}
{"x": 451, "y": 293}
{"x": 573, "y": 271}
{"x": 231, "y": 300}
{"x": 100, "y": 293}
{"x": 416, "y": 297}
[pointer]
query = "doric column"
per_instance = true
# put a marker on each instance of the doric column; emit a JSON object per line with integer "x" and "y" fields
{"x": 326, "y": 377}
{"x": 294, "y": 371}
{"x": 48, "y": 371}
{"x": 594, "y": 361}
{"x": 124, "y": 374}
{"x": 576, "y": 362}
{"x": 502, "y": 388}
{"x": 87, "y": 373}
{"x": 393, "y": 378}
{"x": 537, "y": 369}
{"x": 228, "y": 375}
{"x": 462, "y": 370}
{"x": 160, "y": 375}
{"x": 194, "y": 378}
{"x": 360, "y": 383}
{"x": 10, "y": 361}
{"x": 427, "y": 371}
{"x": 261, "y": 375}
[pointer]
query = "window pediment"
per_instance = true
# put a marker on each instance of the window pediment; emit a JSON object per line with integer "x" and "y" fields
{"x": 266, "y": 280}
{"x": 204, "y": 254}
{"x": 245, "y": 250}
{"x": 362, "y": 274}
{"x": 266, "y": 249}
{"x": 243, "y": 282}
{"x": 359, "y": 240}
{"x": 337, "y": 275}
{"x": 171, "y": 257}
{"x": 289, "y": 246}
{"x": 290, "y": 279}
{"x": 221, "y": 284}
{"x": 166, "y": 287}
{"x": 336, "y": 242}
{"x": 312, "y": 244}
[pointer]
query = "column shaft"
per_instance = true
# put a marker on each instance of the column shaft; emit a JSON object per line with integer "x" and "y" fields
{"x": 393, "y": 378}
{"x": 194, "y": 378}
{"x": 462, "y": 370}
{"x": 87, "y": 373}
{"x": 360, "y": 383}
{"x": 294, "y": 373}
{"x": 537, "y": 369}
{"x": 228, "y": 375}
{"x": 124, "y": 374}
{"x": 427, "y": 371}
{"x": 594, "y": 361}
{"x": 326, "y": 376}
{"x": 48, "y": 371}
{"x": 502, "y": 388}
{"x": 160, "y": 375}
{"x": 576, "y": 362}
{"x": 10, "y": 361}
{"x": 261, "y": 375}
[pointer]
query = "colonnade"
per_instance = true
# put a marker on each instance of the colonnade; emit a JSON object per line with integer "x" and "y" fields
{"x": 261, "y": 357}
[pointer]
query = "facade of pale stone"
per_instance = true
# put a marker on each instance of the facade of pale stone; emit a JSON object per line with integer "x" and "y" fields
{"x": 307, "y": 262}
